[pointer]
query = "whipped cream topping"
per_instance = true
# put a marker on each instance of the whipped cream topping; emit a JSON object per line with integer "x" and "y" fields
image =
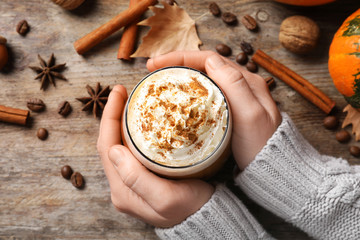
{"x": 177, "y": 117}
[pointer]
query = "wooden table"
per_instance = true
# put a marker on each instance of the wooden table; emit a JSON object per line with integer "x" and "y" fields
{"x": 35, "y": 201}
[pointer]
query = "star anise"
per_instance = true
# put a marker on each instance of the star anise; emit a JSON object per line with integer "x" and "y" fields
{"x": 48, "y": 71}
{"x": 97, "y": 100}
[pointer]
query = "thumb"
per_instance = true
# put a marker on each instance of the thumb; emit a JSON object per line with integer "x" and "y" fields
{"x": 135, "y": 176}
{"x": 232, "y": 82}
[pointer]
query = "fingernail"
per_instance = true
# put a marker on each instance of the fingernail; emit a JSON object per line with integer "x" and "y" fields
{"x": 115, "y": 155}
{"x": 150, "y": 61}
{"x": 150, "y": 64}
{"x": 215, "y": 62}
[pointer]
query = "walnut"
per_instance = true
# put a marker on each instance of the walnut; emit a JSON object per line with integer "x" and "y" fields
{"x": 299, "y": 34}
{"x": 69, "y": 4}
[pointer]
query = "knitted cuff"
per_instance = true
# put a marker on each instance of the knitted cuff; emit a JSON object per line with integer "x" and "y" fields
{"x": 222, "y": 217}
{"x": 317, "y": 193}
{"x": 285, "y": 174}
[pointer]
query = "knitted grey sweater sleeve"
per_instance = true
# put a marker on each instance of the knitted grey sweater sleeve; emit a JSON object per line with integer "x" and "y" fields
{"x": 317, "y": 193}
{"x": 222, "y": 217}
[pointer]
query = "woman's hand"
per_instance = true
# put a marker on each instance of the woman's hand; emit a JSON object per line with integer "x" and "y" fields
{"x": 255, "y": 114}
{"x": 135, "y": 190}
{"x": 165, "y": 203}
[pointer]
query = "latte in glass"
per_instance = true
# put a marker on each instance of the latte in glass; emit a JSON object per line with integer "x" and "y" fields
{"x": 177, "y": 123}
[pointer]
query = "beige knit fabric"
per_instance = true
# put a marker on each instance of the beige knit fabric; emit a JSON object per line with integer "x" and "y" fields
{"x": 223, "y": 217}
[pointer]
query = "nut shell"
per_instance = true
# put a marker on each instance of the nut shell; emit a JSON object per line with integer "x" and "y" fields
{"x": 69, "y": 4}
{"x": 299, "y": 34}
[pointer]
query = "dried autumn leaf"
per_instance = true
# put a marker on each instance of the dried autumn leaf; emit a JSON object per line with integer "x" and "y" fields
{"x": 352, "y": 117}
{"x": 172, "y": 29}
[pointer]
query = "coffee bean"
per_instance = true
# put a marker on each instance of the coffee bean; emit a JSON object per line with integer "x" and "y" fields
{"x": 64, "y": 108}
{"x": 223, "y": 49}
{"x": 35, "y": 104}
{"x": 330, "y": 122}
{"x": 66, "y": 171}
{"x": 249, "y": 22}
{"x": 77, "y": 180}
{"x": 246, "y": 47}
{"x": 229, "y": 18}
{"x": 214, "y": 9}
{"x": 270, "y": 82}
{"x": 251, "y": 66}
{"x": 22, "y": 27}
{"x": 42, "y": 133}
{"x": 355, "y": 151}
{"x": 242, "y": 58}
{"x": 343, "y": 136}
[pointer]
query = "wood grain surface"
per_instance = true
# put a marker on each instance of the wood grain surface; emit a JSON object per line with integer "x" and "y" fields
{"x": 35, "y": 201}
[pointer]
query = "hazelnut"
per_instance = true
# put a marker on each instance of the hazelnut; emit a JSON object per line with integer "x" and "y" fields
{"x": 3, "y": 52}
{"x": 299, "y": 34}
{"x": 69, "y": 4}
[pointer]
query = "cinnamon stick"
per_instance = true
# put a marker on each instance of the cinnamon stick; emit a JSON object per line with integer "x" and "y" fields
{"x": 294, "y": 80}
{"x": 128, "y": 38}
{"x": 123, "y": 19}
{"x": 13, "y": 115}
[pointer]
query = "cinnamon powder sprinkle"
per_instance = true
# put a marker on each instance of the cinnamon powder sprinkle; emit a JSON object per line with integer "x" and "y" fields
{"x": 151, "y": 90}
{"x": 198, "y": 87}
{"x": 192, "y": 124}
{"x": 199, "y": 145}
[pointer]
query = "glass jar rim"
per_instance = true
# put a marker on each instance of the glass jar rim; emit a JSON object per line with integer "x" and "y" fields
{"x": 186, "y": 166}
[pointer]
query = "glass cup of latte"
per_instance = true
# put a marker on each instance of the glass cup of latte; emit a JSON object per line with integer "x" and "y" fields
{"x": 177, "y": 123}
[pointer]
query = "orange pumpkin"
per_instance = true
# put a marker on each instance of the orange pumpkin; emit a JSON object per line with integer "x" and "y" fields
{"x": 344, "y": 59}
{"x": 305, "y": 2}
